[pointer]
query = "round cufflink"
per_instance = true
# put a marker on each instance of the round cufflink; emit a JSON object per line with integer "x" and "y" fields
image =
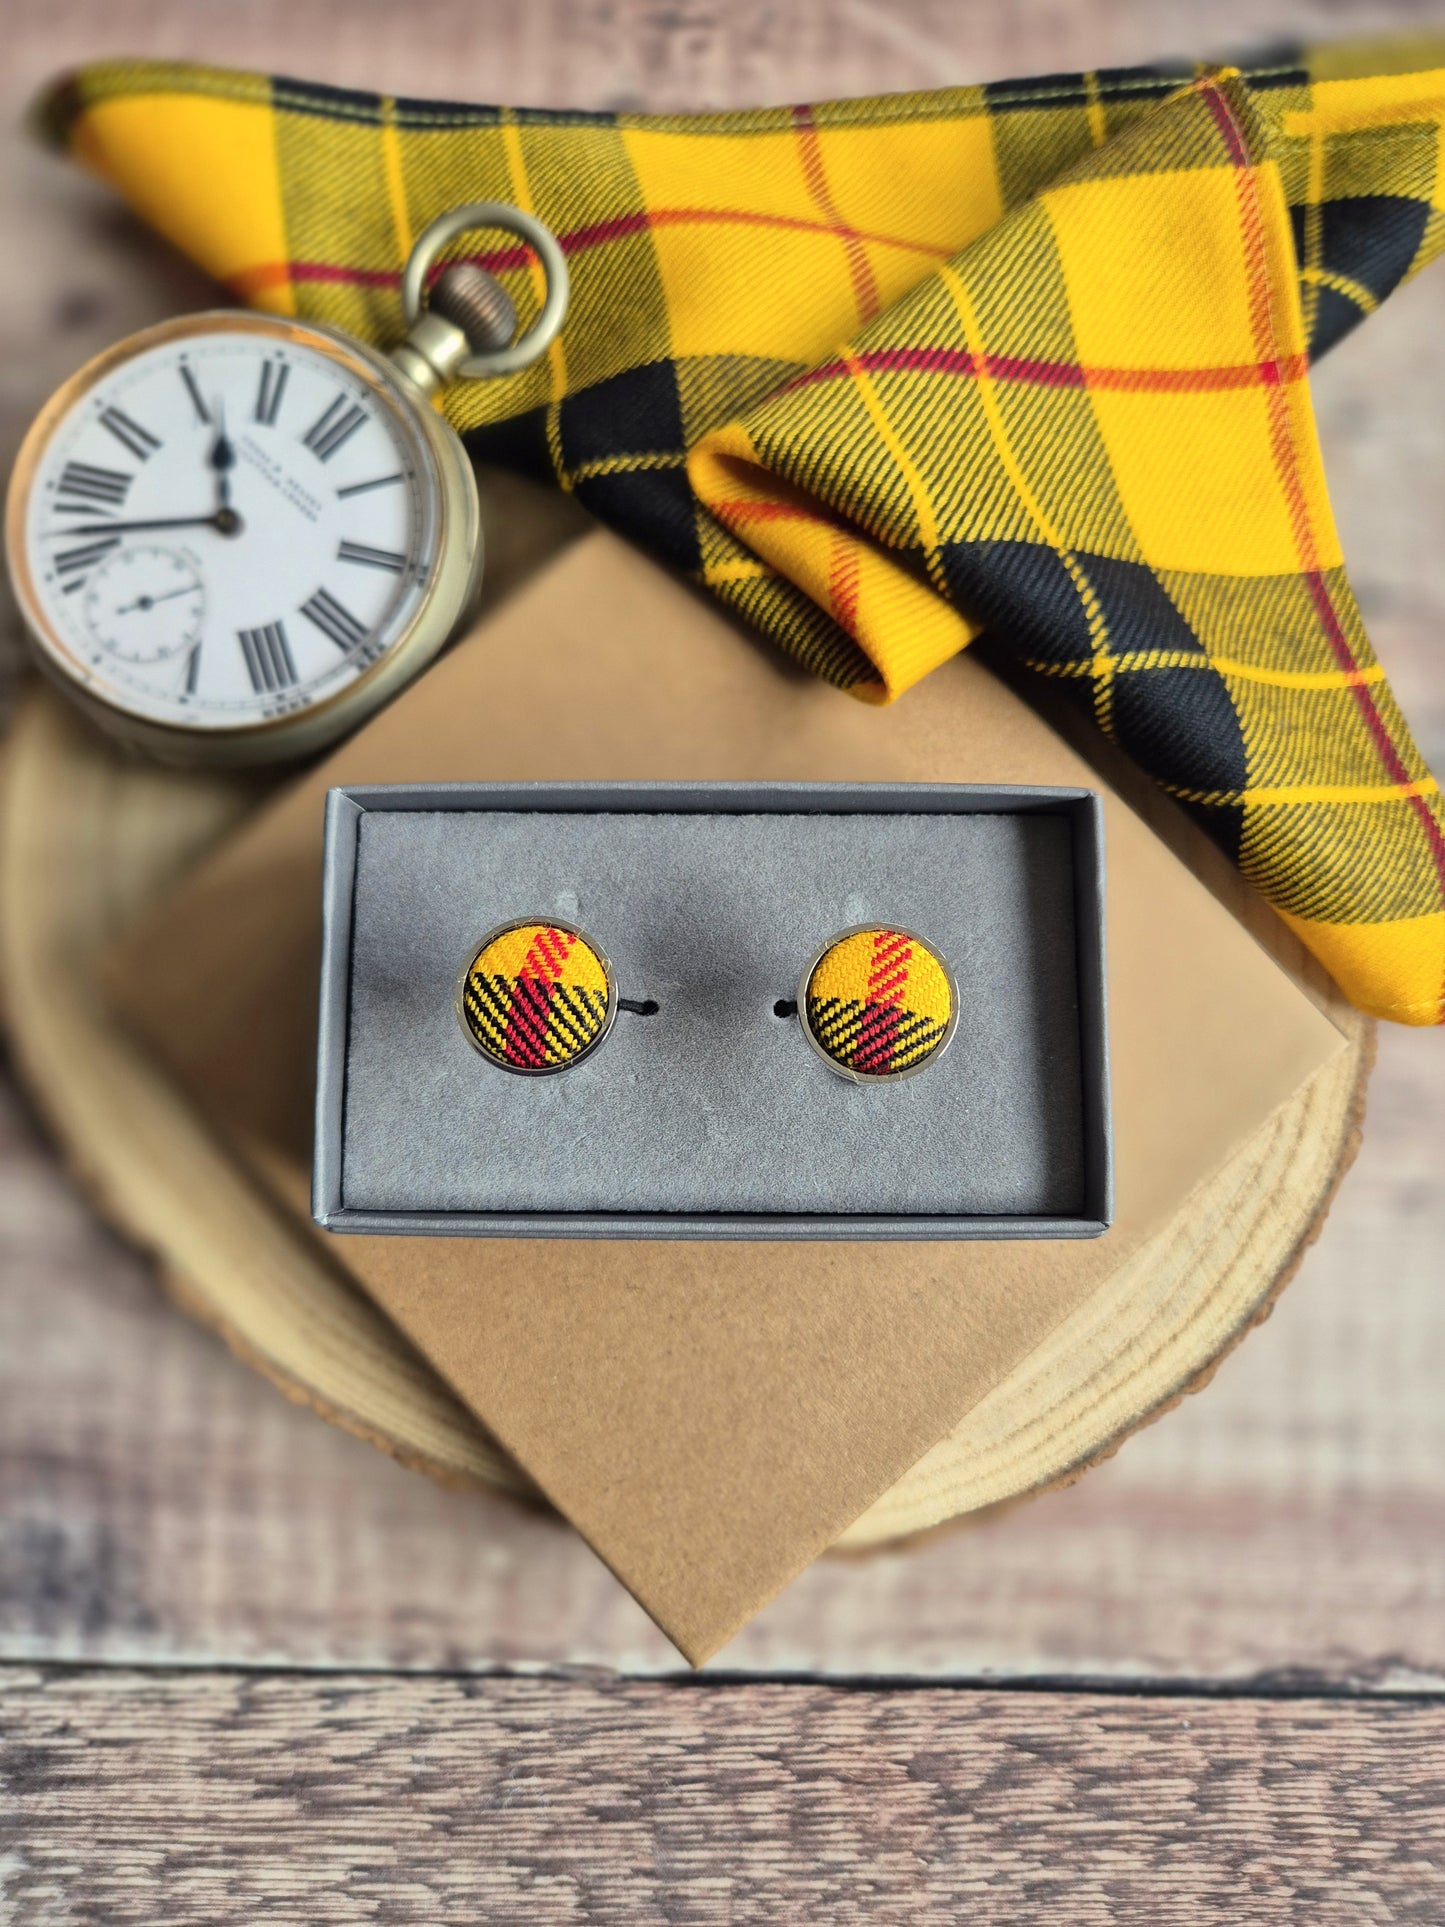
{"x": 878, "y": 1004}
{"x": 536, "y": 997}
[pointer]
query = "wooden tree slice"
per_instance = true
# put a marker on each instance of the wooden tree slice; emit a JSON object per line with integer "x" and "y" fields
{"x": 90, "y": 836}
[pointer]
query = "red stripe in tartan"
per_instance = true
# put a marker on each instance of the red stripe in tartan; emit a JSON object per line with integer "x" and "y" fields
{"x": 844, "y": 582}
{"x": 735, "y": 511}
{"x": 936, "y": 361}
{"x": 865, "y": 287}
{"x": 889, "y": 973}
{"x": 873, "y": 1052}
{"x": 1061, "y": 374}
{"x": 1252, "y": 226}
{"x": 526, "y": 1038}
{"x": 596, "y": 234}
{"x": 1235, "y": 145}
{"x": 547, "y": 953}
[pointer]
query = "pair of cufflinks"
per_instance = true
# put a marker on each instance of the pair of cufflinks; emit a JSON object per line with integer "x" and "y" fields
{"x": 877, "y": 1003}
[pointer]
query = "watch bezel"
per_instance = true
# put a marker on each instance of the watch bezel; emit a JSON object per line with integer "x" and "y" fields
{"x": 450, "y": 586}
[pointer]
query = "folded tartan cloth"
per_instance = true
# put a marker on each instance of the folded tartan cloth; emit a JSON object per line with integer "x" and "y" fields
{"x": 1028, "y": 358}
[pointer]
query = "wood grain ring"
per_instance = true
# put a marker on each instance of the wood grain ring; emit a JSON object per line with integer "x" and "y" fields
{"x": 87, "y": 835}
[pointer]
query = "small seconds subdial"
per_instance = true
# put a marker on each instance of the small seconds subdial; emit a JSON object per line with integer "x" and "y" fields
{"x": 145, "y": 605}
{"x": 231, "y": 527}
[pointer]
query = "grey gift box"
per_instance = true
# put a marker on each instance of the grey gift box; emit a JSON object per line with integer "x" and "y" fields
{"x": 713, "y": 1118}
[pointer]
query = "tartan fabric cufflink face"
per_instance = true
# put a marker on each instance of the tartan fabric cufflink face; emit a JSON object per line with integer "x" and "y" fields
{"x": 878, "y": 1004}
{"x": 536, "y": 997}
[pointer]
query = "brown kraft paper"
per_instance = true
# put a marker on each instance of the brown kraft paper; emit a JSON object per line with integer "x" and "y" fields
{"x": 711, "y": 1416}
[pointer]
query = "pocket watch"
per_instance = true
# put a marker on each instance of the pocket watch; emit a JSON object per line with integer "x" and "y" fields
{"x": 234, "y": 535}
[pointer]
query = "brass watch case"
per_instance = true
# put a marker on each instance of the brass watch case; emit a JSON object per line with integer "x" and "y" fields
{"x": 445, "y": 599}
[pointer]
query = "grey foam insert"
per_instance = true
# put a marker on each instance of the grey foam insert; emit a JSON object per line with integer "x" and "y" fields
{"x": 715, "y": 1104}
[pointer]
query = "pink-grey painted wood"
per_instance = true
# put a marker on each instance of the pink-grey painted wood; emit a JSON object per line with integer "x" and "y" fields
{"x": 156, "y": 1501}
{"x": 161, "y": 1506}
{"x": 211, "y": 1798}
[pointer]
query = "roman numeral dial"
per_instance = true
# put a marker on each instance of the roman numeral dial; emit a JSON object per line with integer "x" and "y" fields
{"x": 74, "y": 565}
{"x": 87, "y": 487}
{"x": 136, "y": 440}
{"x": 268, "y": 659}
{"x": 390, "y": 559}
{"x": 365, "y": 488}
{"x": 334, "y": 428}
{"x": 334, "y": 620}
{"x": 193, "y": 390}
{"x": 231, "y": 524}
{"x": 274, "y": 376}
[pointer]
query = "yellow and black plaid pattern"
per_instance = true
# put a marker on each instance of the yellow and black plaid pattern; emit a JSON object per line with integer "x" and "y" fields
{"x": 878, "y": 1002}
{"x": 1026, "y": 359}
{"x": 535, "y": 998}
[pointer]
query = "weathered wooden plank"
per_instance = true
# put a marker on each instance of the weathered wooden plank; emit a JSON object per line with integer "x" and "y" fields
{"x": 206, "y": 1799}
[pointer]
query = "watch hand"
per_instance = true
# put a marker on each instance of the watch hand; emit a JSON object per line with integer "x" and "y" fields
{"x": 150, "y": 601}
{"x": 225, "y": 520}
{"x": 222, "y": 457}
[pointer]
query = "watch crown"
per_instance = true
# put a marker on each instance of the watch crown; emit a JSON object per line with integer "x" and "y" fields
{"x": 477, "y": 303}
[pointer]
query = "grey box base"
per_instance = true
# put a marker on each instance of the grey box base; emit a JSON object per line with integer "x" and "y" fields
{"x": 714, "y": 1119}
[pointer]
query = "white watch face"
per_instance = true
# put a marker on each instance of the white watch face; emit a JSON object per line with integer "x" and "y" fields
{"x": 228, "y": 526}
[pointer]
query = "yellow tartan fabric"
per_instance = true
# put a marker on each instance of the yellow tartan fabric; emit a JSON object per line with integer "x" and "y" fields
{"x": 1025, "y": 362}
{"x": 878, "y": 1002}
{"x": 536, "y": 998}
